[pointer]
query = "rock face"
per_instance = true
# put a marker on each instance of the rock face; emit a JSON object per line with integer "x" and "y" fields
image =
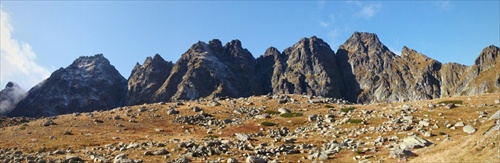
{"x": 10, "y": 96}
{"x": 89, "y": 83}
{"x": 146, "y": 79}
{"x": 373, "y": 73}
{"x": 211, "y": 70}
{"x": 483, "y": 76}
{"x": 308, "y": 67}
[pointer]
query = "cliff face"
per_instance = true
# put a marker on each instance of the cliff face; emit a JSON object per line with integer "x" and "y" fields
{"x": 483, "y": 76}
{"x": 308, "y": 67}
{"x": 211, "y": 70}
{"x": 88, "y": 84}
{"x": 146, "y": 79}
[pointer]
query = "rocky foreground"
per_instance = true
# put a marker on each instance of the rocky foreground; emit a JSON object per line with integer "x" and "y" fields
{"x": 273, "y": 128}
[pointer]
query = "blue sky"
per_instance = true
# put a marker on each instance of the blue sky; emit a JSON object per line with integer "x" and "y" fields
{"x": 38, "y": 37}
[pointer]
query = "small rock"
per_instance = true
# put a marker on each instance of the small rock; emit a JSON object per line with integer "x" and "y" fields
{"x": 142, "y": 109}
{"x": 254, "y": 159}
{"x": 196, "y": 109}
{"x": 283, "y": 110}
{"x": 172, "y": 112}
{"x": 161, "y": 152}
{"x": 459, "y": 124}
{"x": 67, "y": 133}
{"x": 242, "y": 137}
{"x": 48, "y": 123}
{"x": 148, "y": 153}
{"x": 469, "y": 129}
{"x": 232, "y": 160}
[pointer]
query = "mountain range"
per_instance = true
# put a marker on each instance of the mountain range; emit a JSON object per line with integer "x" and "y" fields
{"x": 362, "y": 70}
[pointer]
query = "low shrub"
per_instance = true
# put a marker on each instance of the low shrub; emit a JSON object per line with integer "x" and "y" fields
{"x": 355, "y": 121}
{"x": 271, "y": 112}
{"x": 290, "y": 115}
{"x": 347, "y": 109}
{"x": 211, "y": 136}
{"x": 329, "y": 106}
{"x": 266, "y": 123}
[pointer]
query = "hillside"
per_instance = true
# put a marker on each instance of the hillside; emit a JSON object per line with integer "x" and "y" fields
{"x": 232, "y": 130}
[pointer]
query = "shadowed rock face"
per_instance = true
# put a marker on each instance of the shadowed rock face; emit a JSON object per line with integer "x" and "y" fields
{"x": 211, "y": 70}
{"x": 88, "y": 84}
{"x": 146, "y": 79}
{"x": 308, "y": 67}
{"x": 372, "y": 73}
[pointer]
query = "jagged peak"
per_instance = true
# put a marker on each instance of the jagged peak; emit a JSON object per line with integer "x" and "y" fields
{"x": 409, "y": 53}
{"x": 234, "y": 43}
{"x": 86, "y": 62}
{"x": 488, "y": 55}
{"x": 271, "y": 51}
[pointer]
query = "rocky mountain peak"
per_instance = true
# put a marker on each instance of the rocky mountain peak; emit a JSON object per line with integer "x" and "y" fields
{"x": 146, "y": 79}
{"x": 488, "y": 57}
{"x": 89, "y": 83}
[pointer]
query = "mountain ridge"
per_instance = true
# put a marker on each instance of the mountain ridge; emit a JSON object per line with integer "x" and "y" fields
{"x": 362, "y": 70}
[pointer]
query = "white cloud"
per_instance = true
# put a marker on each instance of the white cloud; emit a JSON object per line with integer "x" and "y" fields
{"x": 17, "y": 58}
{"x": 366, "y": 10}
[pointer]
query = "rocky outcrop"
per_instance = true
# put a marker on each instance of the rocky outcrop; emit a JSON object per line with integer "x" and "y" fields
{"x": 211, "y": 70}
{"x": 308, "y": 67}
{"x": 10, "y": 96}
{"x": 88, "y": 84}
{"x": 146, "y": 79}
{"x": 483, "y": 76}
{"x": 371, "y": 71}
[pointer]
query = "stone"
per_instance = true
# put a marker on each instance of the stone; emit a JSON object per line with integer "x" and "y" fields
{"x": 196, "y": 109}
{"x": 242, "y": 137}
{"x": 450, "y": 106}
{"x": 497, "y": 101}
{"x": 48, "y": 123}
{"x": 172, "y": 112}
{"x": 73, "y": 158}
{"x": 161, "y": 152}
{"x": 459, "y": 124}
{"x": 495, "y": 115}
{"x": 424, "y": 123}
{"x": 262, "y": 116}
{"x": 231, "y": 160}
{"x": 254, "y": 159}
{"x": 142, "y": 109}
{"x": 283, "y": 110}
{"x": 469, "y": 129}
{"x": 414, "y": 142}
{"x": 148, "y": 153}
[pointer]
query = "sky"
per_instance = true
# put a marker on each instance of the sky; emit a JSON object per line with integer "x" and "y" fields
{"x": 38, "y": 37}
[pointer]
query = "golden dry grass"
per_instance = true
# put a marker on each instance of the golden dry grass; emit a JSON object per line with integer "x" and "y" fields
{"x": 87, "y": 134}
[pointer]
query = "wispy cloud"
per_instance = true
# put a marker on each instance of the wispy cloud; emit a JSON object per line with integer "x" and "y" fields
{"x": 321, "y": 4}
{"x": 366, "y": 10}
{"x": 444, "y": 5}
{"x": 333, "y": 38}
{"x": 17, "y": 58}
